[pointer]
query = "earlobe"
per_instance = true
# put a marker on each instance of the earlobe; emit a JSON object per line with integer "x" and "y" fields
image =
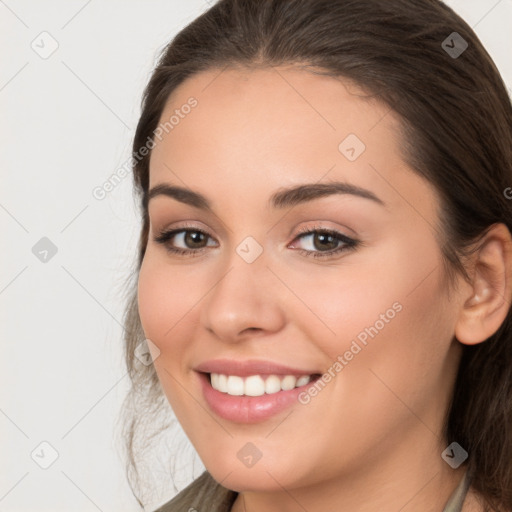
{"x": 486, "y": 308}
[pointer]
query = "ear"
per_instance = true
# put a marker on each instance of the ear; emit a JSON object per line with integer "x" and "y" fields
{"x": 488, "y": 299}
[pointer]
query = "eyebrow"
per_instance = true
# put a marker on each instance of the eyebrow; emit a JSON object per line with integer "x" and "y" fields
{"x": 285, "y": 197}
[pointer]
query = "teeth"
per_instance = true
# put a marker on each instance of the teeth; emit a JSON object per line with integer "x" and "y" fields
{"x": 302, "y": 380}
{"x": 288, "y": 382}
{"x": 272, "y": 384}
{"x": 235, "y": 385}
{"x": 255, "y": 385}
{"x": 222, "y": 383}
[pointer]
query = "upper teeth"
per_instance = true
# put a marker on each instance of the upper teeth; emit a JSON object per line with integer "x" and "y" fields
{"x": 254, "y": 385}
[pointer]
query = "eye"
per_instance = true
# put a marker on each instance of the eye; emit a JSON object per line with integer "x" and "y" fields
{"x": 193, "y": 241}
{"x": 321, "y": 242}
{"x": 317, "y": 242}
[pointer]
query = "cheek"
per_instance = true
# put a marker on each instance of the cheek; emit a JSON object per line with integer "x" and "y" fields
{"x": 160, "y": 300}
{"x": 387, "y": 317}
{"x": 384, "y": 291}
{"x": 392, "y": 364}
{"x": 165, "y": 312}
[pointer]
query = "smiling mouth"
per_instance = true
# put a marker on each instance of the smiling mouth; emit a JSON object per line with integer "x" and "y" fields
{"x": 257, "y": 385}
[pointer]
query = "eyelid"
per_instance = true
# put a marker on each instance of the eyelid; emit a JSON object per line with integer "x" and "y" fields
{"x": 185, "y": 225}
{"x": 347, "y": 243}
{"x": 342, "y": 233}
{"x": 188, "y": 225}
{"x": 160, "y": 217}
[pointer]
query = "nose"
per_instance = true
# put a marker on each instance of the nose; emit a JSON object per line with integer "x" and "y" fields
{"x": 246, "y": 300}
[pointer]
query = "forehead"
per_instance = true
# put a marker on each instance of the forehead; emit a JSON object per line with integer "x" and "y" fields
{"x": 276, "y": 97}
{"x": 255, "y": 130}
{"x": 255, "y": 114}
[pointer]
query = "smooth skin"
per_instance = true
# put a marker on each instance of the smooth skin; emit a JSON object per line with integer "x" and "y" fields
{"x": 370, "y": 440}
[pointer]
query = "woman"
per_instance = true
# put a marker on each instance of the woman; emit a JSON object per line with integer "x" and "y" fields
{"x": 324, "y": 278}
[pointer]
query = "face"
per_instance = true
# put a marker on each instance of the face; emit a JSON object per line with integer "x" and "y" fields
{"x": 305, "y": 333}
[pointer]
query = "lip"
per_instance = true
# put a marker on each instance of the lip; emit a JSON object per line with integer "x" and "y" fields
{"x": 249, "y": 409}
{"x": 250, "y": 367}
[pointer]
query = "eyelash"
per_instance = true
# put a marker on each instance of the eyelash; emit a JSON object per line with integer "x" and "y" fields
{"x": 349, "y": 243}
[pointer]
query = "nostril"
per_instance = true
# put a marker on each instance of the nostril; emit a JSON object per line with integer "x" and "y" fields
{"x": 252, "y": 329}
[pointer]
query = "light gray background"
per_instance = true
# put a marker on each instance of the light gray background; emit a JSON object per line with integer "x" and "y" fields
{"x": 66, "y": 125}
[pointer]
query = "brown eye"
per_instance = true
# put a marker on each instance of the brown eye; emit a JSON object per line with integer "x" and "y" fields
{"x": 185, "y": 241}
{"x": 324, "y": 241}
{"x": 195, "y": 239}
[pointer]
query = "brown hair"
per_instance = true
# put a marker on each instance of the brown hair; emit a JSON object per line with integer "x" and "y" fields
{"x": 457, "y": 133}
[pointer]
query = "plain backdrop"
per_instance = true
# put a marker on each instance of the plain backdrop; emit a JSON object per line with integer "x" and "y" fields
{"x": 71, "y": 78}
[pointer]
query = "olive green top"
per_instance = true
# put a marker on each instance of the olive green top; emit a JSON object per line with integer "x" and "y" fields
{"x": 205, "y": 490}
{"x": 456, "y": 500}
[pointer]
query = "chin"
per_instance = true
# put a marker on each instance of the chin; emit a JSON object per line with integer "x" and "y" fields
{"x": 270, "y": 475}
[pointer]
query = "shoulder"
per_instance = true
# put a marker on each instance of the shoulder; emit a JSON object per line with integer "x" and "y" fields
{"x": 204, "y": 490}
